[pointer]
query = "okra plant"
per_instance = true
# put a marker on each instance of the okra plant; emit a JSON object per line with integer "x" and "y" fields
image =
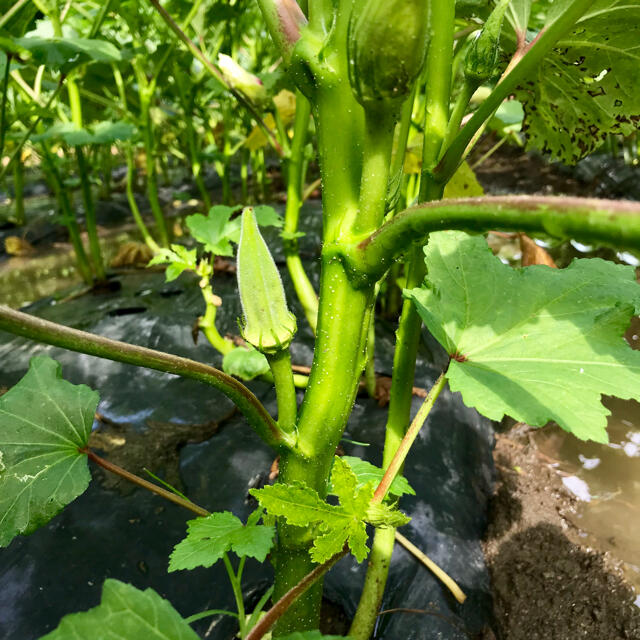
{"x": 534, "y": 343}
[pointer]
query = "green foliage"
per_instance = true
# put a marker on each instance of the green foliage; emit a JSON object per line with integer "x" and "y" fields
{"x": 64, "y": 54}
{"x": 217, "y": 230}
{"x": 537, "y": 343}
{"x": 105, "y": 132}
{"x": 368, "y": 473}
{"x": 125, "y": 613}
{"x": 208, "y": 539}
{"x": 245, "y": 363}
{"x": 589, "y": 86}
{"x": 45, "y": 420}
{"x": 333, "y": 525}
{"x": 178, "y": 258}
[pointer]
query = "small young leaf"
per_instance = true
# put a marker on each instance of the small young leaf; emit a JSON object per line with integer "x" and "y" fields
{"x": 245, "y": 363}
{"x": 125, "y": 613}
{"x": 45, "y": 420}
{"x": 178, "y": 258}
{"x": 335, "y": 525}
{"x": 208, "y": 539}
{"x": 535, "y": 343}
{"x": 367, "y": 472}
{"x": 213, "y": 229}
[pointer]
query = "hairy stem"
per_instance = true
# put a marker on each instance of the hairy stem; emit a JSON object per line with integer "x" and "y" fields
{"x": 280, "y": 364}
{"x": 586, "y": 219}
{"x": 40, "y": 330}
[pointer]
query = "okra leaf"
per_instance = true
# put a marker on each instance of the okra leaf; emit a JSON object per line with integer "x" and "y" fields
{"x": 244, "y": 363}
{"x": 45, "y": 421}
{"x": 212, "y": 230}
{"x": 535, "y": 343}
{"x": 102, "y": 133}
{"x": 335, "y": 525}
{"x": 589, "y": 86}
{"x": 208, "y": 539}
{"x": 367, "y": 472}
{"x": 125, "y": 613}
{"x": 178, "y": 258}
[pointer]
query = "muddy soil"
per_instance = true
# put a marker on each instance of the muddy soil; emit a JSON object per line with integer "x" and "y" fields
{"x": 547, "y": 583}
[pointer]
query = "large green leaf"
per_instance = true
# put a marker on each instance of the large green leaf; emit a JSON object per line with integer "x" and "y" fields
{"x": 66, "y": 53}
{"x": 538, "y": 344}
{"x": 125, "y": 613}
{"x": 589, "y": 86}
{"x": 208, "y": 539}
{"x": 44, "y": 421}
{"x": 335, "y": 525}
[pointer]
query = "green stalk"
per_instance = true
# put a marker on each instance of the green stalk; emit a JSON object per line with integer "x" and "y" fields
{"x": 40, "y": 330}
{"x": 207, "y": 322}
{"x": 396, "y": 464}
{"x": 12, "y": 11}
{"x": 295, "y": 180}
{"x": 68, "y": 216}
{"x": 438, "y": 76}
{"x": 237, "y": 593}
{"x": 152, "y": 176}
{"x": 280, "y": 364}
{"x": 18, "y": 193}
{"x": 3, "y": 107}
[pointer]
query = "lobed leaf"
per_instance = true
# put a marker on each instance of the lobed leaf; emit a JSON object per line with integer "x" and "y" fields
{"x": 125, "y": 613}
{"x": 208, "y": 539}
{"x": 367, "y": 472}
{"x": 45, "y": 421}
{"x": 536, "y": 343}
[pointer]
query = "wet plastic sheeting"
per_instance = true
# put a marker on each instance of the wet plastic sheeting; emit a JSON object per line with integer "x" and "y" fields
{"x": 60, "y": 568}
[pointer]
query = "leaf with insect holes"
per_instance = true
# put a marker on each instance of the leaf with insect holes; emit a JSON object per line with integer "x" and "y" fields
{"x": 45, "y": 421}
{"x": 178, "y": 258}
{"x": 335, "y": 525}
{"x": 125, "y": 613}
{"x": 366, "y": 472}
{"x": 535, "y": 343}
{"x": 217, "y": 230}
{"x": 589, "y": 86}
{"x": 208, "y": 539}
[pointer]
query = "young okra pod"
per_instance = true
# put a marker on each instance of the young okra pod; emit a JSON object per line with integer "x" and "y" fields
{"x": 267, "y": 323}
{"x": 387, "y": 44}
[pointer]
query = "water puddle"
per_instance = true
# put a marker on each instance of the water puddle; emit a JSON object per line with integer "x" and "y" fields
{"x": 605, "y": 477}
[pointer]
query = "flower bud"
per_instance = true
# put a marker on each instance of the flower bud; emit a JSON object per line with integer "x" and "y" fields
{"x": 386, "y": 46}
{"x": 267, "y": 324}
{"x": 482, "y": 56}
{"x": 240, "y": 79}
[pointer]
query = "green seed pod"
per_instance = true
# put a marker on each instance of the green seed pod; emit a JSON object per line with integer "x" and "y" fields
{"x": 267, "y": 324}
{"x": 386, "y": 46}
{"x": 481, "y": 60}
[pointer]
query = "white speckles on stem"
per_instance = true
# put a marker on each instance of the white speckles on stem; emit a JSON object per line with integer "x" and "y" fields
{"x": 2, "y": 467}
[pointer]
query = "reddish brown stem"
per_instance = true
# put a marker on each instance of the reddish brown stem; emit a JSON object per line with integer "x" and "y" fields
{"x": 278, "y": 609}
{"x": 145, "y": 484}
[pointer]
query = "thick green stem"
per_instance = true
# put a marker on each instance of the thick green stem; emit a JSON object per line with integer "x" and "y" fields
{"x": 612, "y": 222}
{"x": 18, "y": 193}
{"x": 295, "y": 179}
{"x": 40, "y": 330}
{"x": 280, "y": 364}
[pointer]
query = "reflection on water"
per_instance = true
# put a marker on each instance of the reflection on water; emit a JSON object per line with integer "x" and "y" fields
{"x": 606, "y": 478}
